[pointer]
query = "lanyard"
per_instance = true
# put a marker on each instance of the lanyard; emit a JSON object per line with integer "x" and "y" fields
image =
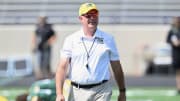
{"x": 88, "y": 51}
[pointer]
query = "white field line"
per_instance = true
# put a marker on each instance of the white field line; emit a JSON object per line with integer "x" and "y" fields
{"x": 12, "y": 92}
{"x": 142, "y": 92}
{"x": 141, "y": 100}
{"x": 136, "y": 100}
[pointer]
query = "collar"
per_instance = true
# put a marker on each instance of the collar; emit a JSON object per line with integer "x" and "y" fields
{"x": 97, "y": 34}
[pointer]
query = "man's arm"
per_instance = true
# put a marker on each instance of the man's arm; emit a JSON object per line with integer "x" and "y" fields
{"x": 33, "y": 42}
{"x": 60, "y": 77}
{"x": 52, "y": 39}
{"x": 119, "y": 77}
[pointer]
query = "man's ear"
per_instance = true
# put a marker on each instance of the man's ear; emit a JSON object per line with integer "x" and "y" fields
{"x": 80, "y": 17}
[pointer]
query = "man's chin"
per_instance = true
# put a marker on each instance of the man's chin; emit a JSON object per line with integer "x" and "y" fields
{"x": 92, "y": 24}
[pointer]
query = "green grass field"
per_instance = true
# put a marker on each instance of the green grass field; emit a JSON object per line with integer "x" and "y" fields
{"x": 11, "y": 93}
{"x": 149, "y": 94}
{"x": 133, "y": 94}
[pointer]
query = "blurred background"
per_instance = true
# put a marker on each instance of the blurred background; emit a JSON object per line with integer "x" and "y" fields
{"x": 140, "y": 28}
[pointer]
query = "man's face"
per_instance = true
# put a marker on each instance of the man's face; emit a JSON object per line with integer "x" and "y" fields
{"x": 178, "y": 22}
{"x": 42, "y": 20}
{"x": 90, "y": 19}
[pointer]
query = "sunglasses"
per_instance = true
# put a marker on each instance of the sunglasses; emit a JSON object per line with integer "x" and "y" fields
{"x": 91, "y": 15}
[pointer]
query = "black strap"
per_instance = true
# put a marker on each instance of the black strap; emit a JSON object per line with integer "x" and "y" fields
{"x": 88, "y": 51}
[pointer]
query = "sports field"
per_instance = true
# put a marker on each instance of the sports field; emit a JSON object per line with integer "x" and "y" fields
{"x": 133, "y": 94}
{"x": 149, "y": 94}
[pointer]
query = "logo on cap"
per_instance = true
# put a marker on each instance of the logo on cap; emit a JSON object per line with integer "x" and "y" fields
{"x": 86, "y": 7}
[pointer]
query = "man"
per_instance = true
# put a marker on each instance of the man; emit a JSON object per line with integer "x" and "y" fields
{"x": 173, "y": 39}
{"x": 88, "y": 53}
{"x": 42, "y": 41}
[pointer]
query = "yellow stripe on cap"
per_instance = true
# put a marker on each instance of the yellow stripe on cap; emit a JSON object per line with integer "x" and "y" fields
{"x": 86, "y": 7}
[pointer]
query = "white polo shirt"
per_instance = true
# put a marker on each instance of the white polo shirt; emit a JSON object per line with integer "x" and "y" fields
{"x": 101, "y": 49}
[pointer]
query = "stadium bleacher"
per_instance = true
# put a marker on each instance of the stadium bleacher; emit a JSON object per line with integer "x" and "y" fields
{"x": 112, "y": 12}
{"x": 16, "y": 66}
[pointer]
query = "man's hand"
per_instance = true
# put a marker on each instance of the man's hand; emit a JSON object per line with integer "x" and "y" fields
{"x": 122, "y": 97}
{"x": 60, "y": 98}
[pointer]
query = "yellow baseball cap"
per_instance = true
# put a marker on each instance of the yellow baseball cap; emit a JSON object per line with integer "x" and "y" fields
{"x": 86, "y": 7}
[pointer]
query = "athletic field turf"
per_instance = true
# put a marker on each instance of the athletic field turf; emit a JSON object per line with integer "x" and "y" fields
{"x": 133, "y": 94}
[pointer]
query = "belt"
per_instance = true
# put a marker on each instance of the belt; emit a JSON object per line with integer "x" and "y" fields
{"x": 88, "y": 86}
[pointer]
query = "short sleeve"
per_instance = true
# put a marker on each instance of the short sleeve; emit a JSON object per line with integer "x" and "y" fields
{"x": 168, "y": 39}
{"x": 52, "y": 30}
{"x": 114, "y": 55}
{"x": 66, "y": 50}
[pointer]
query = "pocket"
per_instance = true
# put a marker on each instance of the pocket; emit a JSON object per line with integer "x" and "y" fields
{"x": 67, "y": 89}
